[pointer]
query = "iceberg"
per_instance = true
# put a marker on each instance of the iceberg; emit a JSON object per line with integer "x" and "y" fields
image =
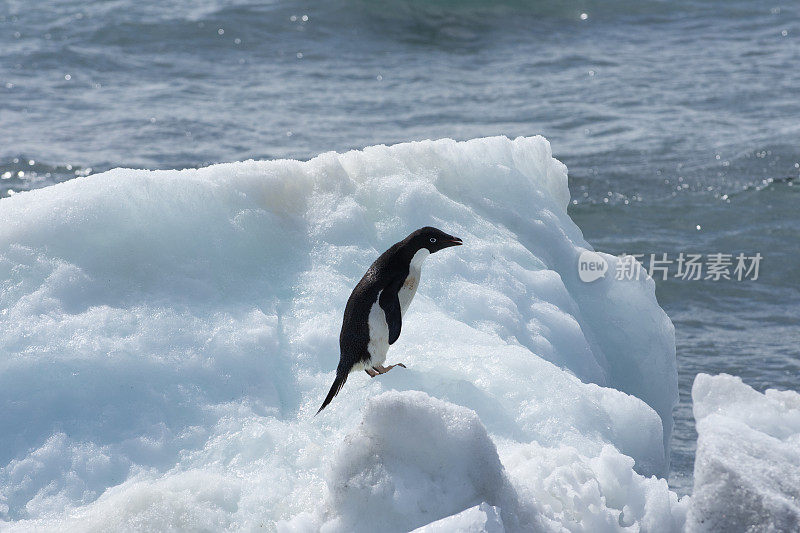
{"x": 167, "y": 336}
{"x": 747, "y": 466}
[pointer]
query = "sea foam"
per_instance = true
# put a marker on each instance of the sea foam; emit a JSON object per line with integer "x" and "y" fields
{"x": 167, "y": 336}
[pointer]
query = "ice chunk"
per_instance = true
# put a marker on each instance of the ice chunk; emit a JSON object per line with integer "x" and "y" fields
{"x": 160, "y": 327}
{"x": 598, "y": 493}
{"x": 414, "y": 460}
{"x": 483, "y": 518}
{"x": 747, "y": 467}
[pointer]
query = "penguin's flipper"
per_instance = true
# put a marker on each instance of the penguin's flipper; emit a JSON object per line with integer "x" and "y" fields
{"x": 390, "y": 304}
{"x": 338, "y": 383}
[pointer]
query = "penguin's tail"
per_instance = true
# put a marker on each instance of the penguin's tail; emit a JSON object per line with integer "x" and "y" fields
{"x": 338, "y": 383}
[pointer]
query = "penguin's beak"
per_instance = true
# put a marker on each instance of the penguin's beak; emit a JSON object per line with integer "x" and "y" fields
{"x": 453, "y": 241}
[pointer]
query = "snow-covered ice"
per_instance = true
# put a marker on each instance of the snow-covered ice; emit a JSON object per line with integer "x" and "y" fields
{"x": 747, "y": 467}
{"x": 167, "y": 336}
{"x": 482, "y": 518}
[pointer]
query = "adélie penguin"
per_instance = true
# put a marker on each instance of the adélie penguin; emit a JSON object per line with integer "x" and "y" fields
{"x": 374, "y": 313}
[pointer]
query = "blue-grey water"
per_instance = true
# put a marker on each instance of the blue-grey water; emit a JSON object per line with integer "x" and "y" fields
{"x": 671, "y": 115}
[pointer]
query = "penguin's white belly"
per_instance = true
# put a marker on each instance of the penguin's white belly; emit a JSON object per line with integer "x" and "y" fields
{"x": 378, "y": 334}
{"x": 409, "y": 287}
{"x": 407, "y": 291}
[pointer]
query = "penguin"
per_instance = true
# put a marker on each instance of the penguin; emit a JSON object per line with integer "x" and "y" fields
{"x": 374, "y": 313}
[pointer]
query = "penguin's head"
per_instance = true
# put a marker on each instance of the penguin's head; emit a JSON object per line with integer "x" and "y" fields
{"x": 431, "y": 239}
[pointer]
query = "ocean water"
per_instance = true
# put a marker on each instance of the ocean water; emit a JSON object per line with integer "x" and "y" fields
{"x": 677, "y": 120}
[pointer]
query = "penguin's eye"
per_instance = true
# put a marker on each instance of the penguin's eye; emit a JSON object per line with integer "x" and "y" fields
{"x": 433, "y": 239}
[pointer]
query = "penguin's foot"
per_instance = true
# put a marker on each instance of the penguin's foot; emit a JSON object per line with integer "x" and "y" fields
{"x": 384, "y": 369}
{"x": 372, "y": 373}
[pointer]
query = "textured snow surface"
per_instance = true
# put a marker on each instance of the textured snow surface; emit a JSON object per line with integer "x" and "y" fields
{"x": 747, "y": 467}
{"x": 167, "y": 336}
{"x": 482, "y": 518}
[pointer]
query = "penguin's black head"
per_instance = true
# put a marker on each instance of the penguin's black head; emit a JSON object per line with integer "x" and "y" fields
{"x": 431, "y": 238}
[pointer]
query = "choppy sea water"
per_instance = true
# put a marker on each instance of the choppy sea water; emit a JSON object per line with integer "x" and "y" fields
{"x": 677, "y": 120}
